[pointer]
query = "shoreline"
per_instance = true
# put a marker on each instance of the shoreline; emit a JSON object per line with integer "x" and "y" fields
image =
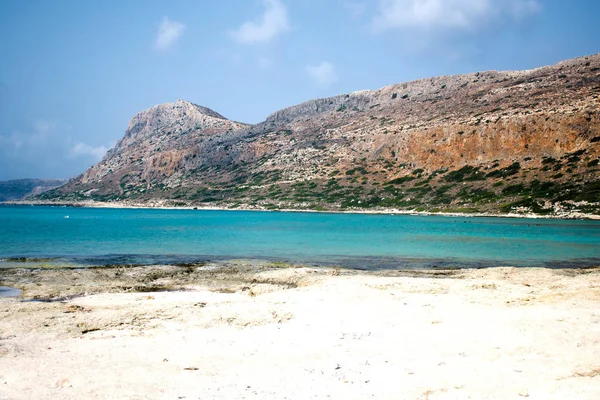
{"x": 57, "y": 284}
{"x": 367, "y": 264}
{"x": 387, "y": 211}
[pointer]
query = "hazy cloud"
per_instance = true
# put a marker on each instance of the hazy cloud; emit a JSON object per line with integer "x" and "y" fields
{"x": 45, "y": 147}
{"x": 14, "y": 141}
{"x": 323, "y": 74}
{"x": 43, "y": 130}
{"x": 272, "y": 23}
{"x": 168, "y": 33}
{"x": 82, "y": 149}
{"x": 265, "y": 63}
{"x": 355, "y": 8}
{"x": 38, "y": 135}
{"x": 521, "y": 9}
{"x": 448, "y": 14}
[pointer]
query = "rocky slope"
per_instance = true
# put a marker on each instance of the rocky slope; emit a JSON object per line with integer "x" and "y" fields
{"x": 517, "y": 141}
{"x": 22, "y": 188}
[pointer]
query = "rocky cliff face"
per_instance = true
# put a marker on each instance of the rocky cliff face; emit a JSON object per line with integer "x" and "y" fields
{"x": 160, "y": 143}
{"x": 489, "y": 141}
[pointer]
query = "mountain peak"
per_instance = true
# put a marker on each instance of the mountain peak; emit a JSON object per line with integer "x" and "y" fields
{"x": 189, "y": 107}
{"x": 168, "y": 121}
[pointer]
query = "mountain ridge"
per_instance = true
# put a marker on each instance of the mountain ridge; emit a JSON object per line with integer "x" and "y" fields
{"x": 489, "y": 141}
{"x": 17, "y": 189}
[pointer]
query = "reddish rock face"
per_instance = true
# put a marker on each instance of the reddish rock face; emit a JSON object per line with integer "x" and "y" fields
{"x": 501, "y": 129}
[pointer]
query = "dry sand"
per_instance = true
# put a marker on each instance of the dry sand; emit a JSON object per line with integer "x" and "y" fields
{"x": 246, "y": 332}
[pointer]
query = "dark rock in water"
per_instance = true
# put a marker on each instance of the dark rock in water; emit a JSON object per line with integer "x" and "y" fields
{"x": 6, "y": 291}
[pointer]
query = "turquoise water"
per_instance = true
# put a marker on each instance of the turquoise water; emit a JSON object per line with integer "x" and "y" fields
{"x": 6, "y": 291}
{"x": 94, "y": 236}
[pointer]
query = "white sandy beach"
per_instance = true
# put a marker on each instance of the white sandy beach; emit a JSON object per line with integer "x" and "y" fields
{"x": 499, "y": 333}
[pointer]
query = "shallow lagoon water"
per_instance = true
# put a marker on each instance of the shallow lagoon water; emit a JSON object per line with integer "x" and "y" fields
{"x": 6, "y": 291}
{"x": 95, "y": 236}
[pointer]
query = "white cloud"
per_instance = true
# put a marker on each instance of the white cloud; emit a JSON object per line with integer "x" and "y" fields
{"x": 324, "y": 73}
{"x": 448, "y": 14}
{"x": 168, "y": 33}
{"x": 273, "y": 22}
{"x": 82, "y": 149}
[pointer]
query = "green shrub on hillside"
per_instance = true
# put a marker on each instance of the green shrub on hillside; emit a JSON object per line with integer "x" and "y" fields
{"x": 466, "y": 173}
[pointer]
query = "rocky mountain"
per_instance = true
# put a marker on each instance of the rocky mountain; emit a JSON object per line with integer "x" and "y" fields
{"x": 22, "y": 188}
{"x": 516, "y": 141}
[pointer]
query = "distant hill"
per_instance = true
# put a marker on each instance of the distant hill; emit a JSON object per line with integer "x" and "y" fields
{"x": 497, "y": 142}
{"x": 21, "y": 188}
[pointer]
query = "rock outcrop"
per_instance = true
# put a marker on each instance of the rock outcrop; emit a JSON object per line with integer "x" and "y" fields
{"x": 517, "y": 141}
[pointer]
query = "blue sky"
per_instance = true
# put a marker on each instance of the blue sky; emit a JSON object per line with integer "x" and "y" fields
{"x": 72, "y": 73}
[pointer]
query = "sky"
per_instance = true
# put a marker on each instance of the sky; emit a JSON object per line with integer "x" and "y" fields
{"x": 73, "y": 73}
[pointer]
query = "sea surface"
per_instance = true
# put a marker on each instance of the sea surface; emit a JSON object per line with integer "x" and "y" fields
{"x": 31, "y": 235}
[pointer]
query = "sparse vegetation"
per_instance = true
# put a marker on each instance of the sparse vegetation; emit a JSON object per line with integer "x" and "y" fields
{"x": 466, "y": 173}
{"x": 505, "y": 172}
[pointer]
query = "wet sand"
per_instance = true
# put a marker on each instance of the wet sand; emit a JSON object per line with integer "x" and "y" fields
{"x": 259, "y": 330}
